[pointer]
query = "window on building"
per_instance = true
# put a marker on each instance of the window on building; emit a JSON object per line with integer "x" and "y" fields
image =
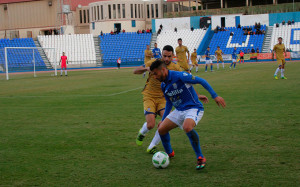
{"x": 123, "y": 9}
{"x": 131, "y": 7}
{"x": 95, "y": 13}
{"x": 148, "y": 12}
{"x": 152, "y": 10}
{"x": 80, "y": 16}
{"x": 139, "y": 10}
{"x": 133, "y": 23}
{"x": 135, "y": 9}
{"x": 98, "y": 13}
{"x": 93, "y": 25}
{"x": 88, "y": 15}
{"x": 156, "y": 10}
{"x": 101, "y": 11}
{"x": 119, "y": 11}
{"x": 84, "y": 17}
{"x": 114, "y": 11}
{"x": 109, "y": 11}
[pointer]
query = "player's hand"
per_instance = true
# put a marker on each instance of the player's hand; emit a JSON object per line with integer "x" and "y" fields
{"x": 203, "y": 98}
{"x": 148, "y": 69}
{"x": 220, "y": 101}
{"x": 159, "y": 124}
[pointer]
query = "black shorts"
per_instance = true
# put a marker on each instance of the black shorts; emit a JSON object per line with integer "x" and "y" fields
{"x": 242, "y": 58}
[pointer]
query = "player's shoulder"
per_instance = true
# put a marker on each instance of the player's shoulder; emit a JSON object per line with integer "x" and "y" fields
{"x": 149, "y": 63}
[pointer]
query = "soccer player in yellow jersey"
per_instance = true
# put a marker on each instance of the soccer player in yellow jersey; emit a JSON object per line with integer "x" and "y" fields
{"x": 218, "y": 54}
{"x": 279, "y": 50}
{"x": 194, "y": 60}
{"x": 153, "y": 98}
{"x": 148, "y": 56}
{"x": 181, "y": 51}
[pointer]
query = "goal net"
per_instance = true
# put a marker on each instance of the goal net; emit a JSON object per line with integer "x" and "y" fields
{"x": 27, "y": 62}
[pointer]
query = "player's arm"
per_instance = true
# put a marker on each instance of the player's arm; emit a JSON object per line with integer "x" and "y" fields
{"x": 197, "y": 80}
{"x": 141, "y": 69}
{"x": 188, "y": 54}
{"x": 67, "y": 61}
{"x": 169, "y": 104}
{"x": 273, "y": 52}
{"x": 284, "y": 51}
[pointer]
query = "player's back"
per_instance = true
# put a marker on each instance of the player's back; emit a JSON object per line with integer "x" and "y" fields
{"x": 182, "y": 95}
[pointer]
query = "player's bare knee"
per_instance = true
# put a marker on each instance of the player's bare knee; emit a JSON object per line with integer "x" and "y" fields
{"x": 150, "y": 125}
{"x": 187, "y": 128}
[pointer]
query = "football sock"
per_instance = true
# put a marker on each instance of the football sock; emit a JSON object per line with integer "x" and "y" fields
{"x": 144, "y": 129}
{"x": 276, "y": 71}
{"x": 66, "y": 73}
{"x": 205, "y": 68}
{"x": 223, "y": 64}
{"x": 217, "y": 65}
{"x": 191, "y": 68}
{"x": 282, "y": 72}
{"x": 231, "y": 64}
{"x": 155, "y": 141}
{"x": 61, "y": 71}
{"x": 211, "y": 67}
{"x": 165, "y": 139}
{"x": 195, "y": 142}
{"x": 197, "y": 68}
{"x": 234, "y": 65}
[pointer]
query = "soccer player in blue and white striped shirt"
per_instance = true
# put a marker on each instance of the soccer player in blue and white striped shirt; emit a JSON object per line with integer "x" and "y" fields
{"x": 179, "y": 92}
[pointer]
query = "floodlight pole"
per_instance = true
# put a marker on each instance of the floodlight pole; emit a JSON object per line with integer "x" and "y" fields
{"x": 34, "y": 75}
{"x": 6, "y": 66}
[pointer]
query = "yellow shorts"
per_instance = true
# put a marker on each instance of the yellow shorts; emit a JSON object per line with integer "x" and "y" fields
{"x": 184, "y": 65}
{"x": 281, "y": 61}
{"x": 220, "y": 59}
{"x": 154, "y": 105}
{"x": 195, "y": 63}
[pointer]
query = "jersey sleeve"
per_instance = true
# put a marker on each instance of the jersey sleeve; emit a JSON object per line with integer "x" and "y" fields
{"x": 186, "y": 50}
{"x": 148, "y": 64}
{"x": 189, "y": 78}
{"x": 168, "y": 106}
{"x": 274, "y": 48}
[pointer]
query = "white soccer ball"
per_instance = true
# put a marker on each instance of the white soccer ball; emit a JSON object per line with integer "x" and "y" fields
{"x": 160, "y": 159}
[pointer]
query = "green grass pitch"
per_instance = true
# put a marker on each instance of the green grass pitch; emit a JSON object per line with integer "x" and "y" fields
{"x": 80, "y": 131}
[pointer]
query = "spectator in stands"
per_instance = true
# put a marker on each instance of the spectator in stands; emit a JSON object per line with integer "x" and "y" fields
{"x": 245, "y": 32}
{"x": 255, "y": 26}
{"x": 159, "y": 31}
{"x": 248, "y": 51}
{"x": 231, "y": 34}
{"x": 138, "y": 32}
{"x": 143, "y": 31}
{"x": 161, "y": 26}
{"x": 204, "y": 28}
{"x": 258, "y": 25}
{"x": 277, "y": 24}
{"x": 239, "y": 26}
{"x": 119, "y": 63}
{"x": 123, "y": 31}
{"x": 293, "y": 22}
{"x": 150, "y": 30}
{"x": 252, "y": 50}
{"x": 289, "y": 22}
{"x": 175, "y": 29}
{"x": 192, "y": 28}
{"x": 283, "y": 22}
{"x": 257, "y": 50}
{"x": 101, "y": 33}
{"x": 112, "y": 32}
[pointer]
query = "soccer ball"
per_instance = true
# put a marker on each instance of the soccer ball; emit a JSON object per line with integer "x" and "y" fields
{"x": 160, "y": 159}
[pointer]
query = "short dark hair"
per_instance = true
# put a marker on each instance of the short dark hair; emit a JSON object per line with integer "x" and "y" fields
{"x": 168, "y": 48}
{"x": 155, "y": 43}
{"x": 218, "y": 47}
{"x": 179, "y": 39}
{"x": 279, "y": 38}
{"x": 157, "y": 64}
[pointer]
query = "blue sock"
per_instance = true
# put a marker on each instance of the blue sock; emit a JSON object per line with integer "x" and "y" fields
{"x": 211, "y": 67}
{"x": 205, "y": 68}
{"x": 165, "y": 140}
{"x": 195, "y": 142}
{"x": 231, "y": 64}
{"x": 234, "y": 65}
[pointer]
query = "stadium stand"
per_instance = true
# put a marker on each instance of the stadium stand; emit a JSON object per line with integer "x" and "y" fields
{"x": 79, "y": 48}
{"x": 20, "y": 59}
{"x": 130, "y": 46}
{"x": 290, "y": 35}
{"x": 235, "y": 37}
{"x": 191, "y": 39}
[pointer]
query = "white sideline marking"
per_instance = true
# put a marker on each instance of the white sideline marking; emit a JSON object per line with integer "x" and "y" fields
{"x": 60, "y": 96}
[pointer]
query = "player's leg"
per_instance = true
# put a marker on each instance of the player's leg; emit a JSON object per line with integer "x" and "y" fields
{"x": 211, "y": 65}
{"x": 66, "y": 72}
{"x": 276, "y": 71}
{"x": 149, "y": 112}
{"x": 206, "y": 64}
{"x": 197, "y": 67}
{"x": 234, "y": 64}
{"x": 218, "y": 63}
{"x": 61, "y": 70}
{"x": 222, "y": 63}
{"x": 282, "y": 70}
{"x": 192, "y": 117}
{"x": 231, "y": 64}
{"x": 173, "y": 120}
{"x": 156, "y": 139}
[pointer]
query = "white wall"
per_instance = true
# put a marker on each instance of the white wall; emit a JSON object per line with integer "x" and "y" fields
{"x": 229, "y": 20}
{"x": 171, "y": 23}
{"x": 248, "y": 20}
{"x": 108, "y": 26}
